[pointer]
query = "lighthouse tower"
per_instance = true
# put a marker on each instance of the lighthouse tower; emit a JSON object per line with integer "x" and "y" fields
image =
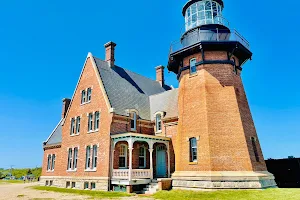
{"x": 216, "y": 146}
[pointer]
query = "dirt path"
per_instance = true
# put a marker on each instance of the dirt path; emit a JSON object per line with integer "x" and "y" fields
{"x": 22, "y": 192}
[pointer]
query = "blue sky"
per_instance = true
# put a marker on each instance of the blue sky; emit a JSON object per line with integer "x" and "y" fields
{"x": 44, "y": 44}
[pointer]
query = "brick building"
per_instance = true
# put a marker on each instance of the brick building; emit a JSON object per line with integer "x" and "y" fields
{"x": 122, "y": 130}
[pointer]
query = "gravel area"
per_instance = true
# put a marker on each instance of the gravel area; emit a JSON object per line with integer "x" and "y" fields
{"x": 23, "y": 192}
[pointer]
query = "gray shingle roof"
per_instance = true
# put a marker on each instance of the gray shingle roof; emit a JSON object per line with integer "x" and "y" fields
{"x": 165, "y": 102}
{"x": 56, "y": 135}
{"x": 128, "y": 90}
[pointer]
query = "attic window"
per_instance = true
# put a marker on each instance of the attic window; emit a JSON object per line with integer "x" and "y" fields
{"x": 133, "y": 121}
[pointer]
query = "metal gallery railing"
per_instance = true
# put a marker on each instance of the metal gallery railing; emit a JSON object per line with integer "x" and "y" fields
{"x": 197, "y": 35}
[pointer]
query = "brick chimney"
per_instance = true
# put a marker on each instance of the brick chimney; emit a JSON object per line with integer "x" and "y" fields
{"x": 160, "y": 75}
{"x": 66, "y": 103}
{"x": 110, "y": 53}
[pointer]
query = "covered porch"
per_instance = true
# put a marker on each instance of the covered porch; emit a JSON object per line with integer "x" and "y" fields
{"x": 138, "y": 158}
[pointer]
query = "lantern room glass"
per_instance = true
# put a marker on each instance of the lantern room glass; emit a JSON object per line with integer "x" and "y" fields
{"x": 203, "y": 12}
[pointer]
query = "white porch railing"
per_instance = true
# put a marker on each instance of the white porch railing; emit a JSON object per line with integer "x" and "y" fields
{"x": 135, "y": 173}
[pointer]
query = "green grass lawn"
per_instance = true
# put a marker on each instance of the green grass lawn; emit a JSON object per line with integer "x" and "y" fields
{"x": 94, "y": 194}
{"x": 268, "y": 194}
{"x": 10, "y": 181}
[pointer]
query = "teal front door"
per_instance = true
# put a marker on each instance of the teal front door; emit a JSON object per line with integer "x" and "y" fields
{"x": 161, "y": 169}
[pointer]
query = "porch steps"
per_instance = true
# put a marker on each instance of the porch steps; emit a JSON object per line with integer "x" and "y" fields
{"x": 151, "y": 188}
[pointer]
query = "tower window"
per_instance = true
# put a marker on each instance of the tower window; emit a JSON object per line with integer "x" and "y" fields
{"x": 133, "y": 121}
{"x": 53, "y": 162}
{"x": 49, "y": 163}
{"x": 70, "y": 159}
{"x": 253, "y": 141}
{"x": 123, "y": 156}
{"x": 158, "y": 122}
{"x": 193, "y": 150}
{"x": 193, "y": 68}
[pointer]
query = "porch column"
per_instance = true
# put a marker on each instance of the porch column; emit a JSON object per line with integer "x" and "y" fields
{"x": 130, "y": 148}
{"x": 150, "y": 143}
{"x": 151, "y": 162}
{"x": 169, "y": 166}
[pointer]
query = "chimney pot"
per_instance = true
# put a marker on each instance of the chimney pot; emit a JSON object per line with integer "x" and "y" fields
{"x": 110, "y": 53}
{"x": 65, "y": 107}
{"x": 160, "y": 75}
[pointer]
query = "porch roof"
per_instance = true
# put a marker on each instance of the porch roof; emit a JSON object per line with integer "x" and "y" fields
{"x": 139, "y": 136}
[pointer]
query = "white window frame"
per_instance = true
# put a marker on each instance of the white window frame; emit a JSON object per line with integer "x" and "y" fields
{"x": 49, "y": 162}
{"x": 133, "y": 119}
{"x": 70, "y": 159}
{"x": 78, "y": 125}
{"x": 97, "y": 121}
{"x": 142, "y": 156}
{"x": 72, "y": 130}
{"x": 89, "y": 95}
{"x": 53, "y": 162}
{"x": 95, "y": 157}
{"x": 90, "y": 122}
{"x": 83, "y": 97}
{"x": 88, "y": 157}
{"x": 75, "y": 158}
{"x": 123, "y": 155}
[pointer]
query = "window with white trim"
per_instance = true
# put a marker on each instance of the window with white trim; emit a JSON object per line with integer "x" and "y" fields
{"x": 193, "y": 68}
{"x": 90, "y": 122}
{"x": 88, "y": 158}
{"x": 133, "y": 121}
{"x": 77, "y": 125}
{"x": 70, "y": 153}
{"x": 49, "y": 163}
{"x": 95, "y": 156}
{"x": 72, "y": 130}
{"x": 158, "y": 122}
{"x": 89, "y": 94}
{"x": 53, "y": 162}
{"x": 83, "y": 96}
{"x": 193, "y": 149}
{"x": 123, "y": 156}
{"x": 142, "y": 157}
{"x": 75, "y": 158}
{"x": 97, "y": 120}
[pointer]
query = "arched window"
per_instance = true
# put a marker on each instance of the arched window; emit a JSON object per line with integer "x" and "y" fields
{"x": 193, "y": 150}
{"x": 142, "y": 157}
{"x": 133, "y": 121}
{"x": 158, "y": 122}
{"x": 123, "y": 156}
{"x": 193, "y": 68}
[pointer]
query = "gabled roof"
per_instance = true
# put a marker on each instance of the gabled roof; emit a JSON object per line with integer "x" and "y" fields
{"x": 128, "y": 90}
{"x": 165, "y": 102}
{"x": 56, "y": 135}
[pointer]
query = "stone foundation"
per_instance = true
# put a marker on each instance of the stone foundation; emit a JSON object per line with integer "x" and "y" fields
{"x": 101, "y": 183}
{"x": 222, "y": 180}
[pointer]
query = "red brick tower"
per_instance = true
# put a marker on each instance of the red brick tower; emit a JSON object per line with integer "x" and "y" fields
{"x": 217, "y": 145}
